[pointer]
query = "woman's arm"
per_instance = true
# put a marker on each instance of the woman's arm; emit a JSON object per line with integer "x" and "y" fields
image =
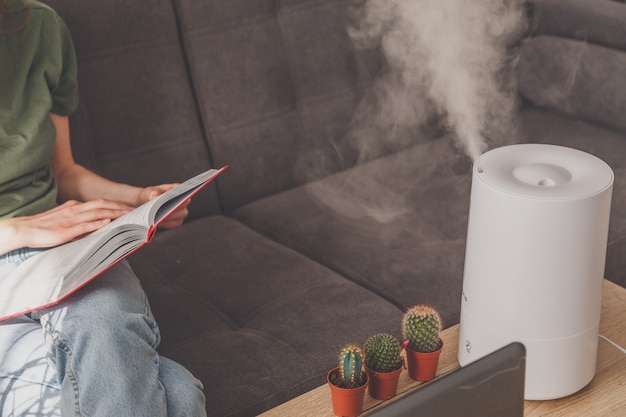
{"x": 89, "y": 202}
{"x": 78, "y": 183}
{"x": 75, "y": 182}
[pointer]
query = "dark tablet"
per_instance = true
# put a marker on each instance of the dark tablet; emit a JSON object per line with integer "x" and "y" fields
{"x": 492, "y": 386}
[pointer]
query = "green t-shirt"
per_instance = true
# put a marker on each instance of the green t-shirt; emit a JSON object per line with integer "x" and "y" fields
{"x": 37, "y": 76}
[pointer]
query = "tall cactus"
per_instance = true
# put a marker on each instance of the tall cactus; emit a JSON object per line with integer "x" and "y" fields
{"x": 382, "y": 353}
{"x": 421, "y": 325}
{"x": 351, "y": 373}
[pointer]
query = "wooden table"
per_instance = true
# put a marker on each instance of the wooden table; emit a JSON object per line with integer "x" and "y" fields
{"x": 605, "y": 396}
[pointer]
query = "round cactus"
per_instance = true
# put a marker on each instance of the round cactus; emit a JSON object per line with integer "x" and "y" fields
{"x": 351, "y": 373}
{"x": 421, "y": 325}
{"x": 382, "y": 353}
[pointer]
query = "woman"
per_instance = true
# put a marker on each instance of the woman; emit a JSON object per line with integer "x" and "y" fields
{"x": 95, "y": 353}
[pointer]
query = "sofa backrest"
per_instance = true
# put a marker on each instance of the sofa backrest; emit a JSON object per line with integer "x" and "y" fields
{"x": 137, "y": 120}
{"x": 277, "y": 82}
{"x": 576, "y": 61}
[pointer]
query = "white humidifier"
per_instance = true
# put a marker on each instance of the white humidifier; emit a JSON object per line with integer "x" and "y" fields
{"x": 534, "y": 262}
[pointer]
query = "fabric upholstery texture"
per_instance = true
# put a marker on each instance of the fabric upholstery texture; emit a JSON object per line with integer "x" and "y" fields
{"x": 261, "y": 82}
{"x": 375, "y": 225}
{"x": 303, "y": 245}
{"x": 255, "y": 320}
{"x": 578, "y": 78}
{"x": 600, "y": 23}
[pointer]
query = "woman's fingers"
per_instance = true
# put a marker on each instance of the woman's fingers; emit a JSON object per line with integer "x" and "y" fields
{"x": 68, "y": 221}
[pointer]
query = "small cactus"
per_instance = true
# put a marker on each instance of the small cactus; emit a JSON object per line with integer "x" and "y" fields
{"x": 421, "y": 325}
{"x": 382, "y": 353}
{"x": 351, "y": 373}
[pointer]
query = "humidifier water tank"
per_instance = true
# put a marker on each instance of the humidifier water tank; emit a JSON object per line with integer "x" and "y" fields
{"x": 534, "y": 262}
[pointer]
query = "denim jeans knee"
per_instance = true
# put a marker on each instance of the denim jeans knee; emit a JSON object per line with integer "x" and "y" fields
{"x": 102, "y": 339}
{"x": 28, "y": 382}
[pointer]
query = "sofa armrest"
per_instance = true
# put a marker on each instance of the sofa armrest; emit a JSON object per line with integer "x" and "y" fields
{"x": 599, "y": 21}
{"x": 576, "y": 60}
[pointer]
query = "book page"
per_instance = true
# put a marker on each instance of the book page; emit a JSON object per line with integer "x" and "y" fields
{"x": 154, "y": 211}
{"x": 51, "y": 274}
{"x": 172, "y": 199}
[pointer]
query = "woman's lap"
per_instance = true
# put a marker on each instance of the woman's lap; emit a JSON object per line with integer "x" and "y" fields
{"x": 101, "y": 339}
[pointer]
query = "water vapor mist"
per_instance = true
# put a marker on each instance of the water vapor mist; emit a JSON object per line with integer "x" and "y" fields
{"x": 445, "y": 62}
{"x": 455, "y": 54}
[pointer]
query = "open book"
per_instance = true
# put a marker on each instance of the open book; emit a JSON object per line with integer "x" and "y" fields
{"x": 48, "y": 277}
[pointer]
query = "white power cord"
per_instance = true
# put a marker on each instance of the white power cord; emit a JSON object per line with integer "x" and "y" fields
{"x": 613, "y": 343}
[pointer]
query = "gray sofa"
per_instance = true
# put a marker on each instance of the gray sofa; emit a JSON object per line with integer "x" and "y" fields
{"x": 289, "y": 256}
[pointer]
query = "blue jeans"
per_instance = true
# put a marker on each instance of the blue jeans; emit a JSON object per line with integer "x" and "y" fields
{"x": 93, "y": 354}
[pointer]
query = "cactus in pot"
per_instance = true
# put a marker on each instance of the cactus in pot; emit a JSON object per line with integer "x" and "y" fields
{"x": 421, "y": 325}
{"x": 382, "y": 353}
{"x": 383, "y": 365}
{"x": 351, "y": 373}
{"x": 348, "y": 382}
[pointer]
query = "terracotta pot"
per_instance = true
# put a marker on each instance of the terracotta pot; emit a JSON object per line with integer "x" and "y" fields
{"x": 422, "y": 366}
{"x": 383, "y": 385}
{"x": 347, "y": 402}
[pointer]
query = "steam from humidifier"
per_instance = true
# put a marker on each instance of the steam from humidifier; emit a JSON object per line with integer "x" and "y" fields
{"x": 446, "y": 59}
{"x": 450, "y": 57}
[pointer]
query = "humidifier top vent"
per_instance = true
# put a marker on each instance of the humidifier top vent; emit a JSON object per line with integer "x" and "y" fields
{"x": 543, "y": 171}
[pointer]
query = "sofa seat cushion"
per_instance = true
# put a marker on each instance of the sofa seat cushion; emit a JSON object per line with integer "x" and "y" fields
{"x": 243, "y": 312}
{"x": 395, "y": 225}
{"x": 544, "y": 126}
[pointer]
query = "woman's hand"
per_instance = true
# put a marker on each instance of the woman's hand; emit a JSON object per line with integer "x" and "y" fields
{"x": 69, "y": 221}
{"x": 177, "y": 217}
